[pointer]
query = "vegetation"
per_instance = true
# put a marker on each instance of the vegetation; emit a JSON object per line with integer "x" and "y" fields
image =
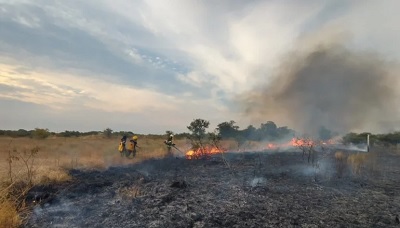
{"x": 392, "y": 138}
{"x": 40, "y": 133}
{"x": 30, "y": 158}
{"x": 268, "y": 131}
{"x": 14, "y": 190}
{"x": 198, "y": 134}
{"x": 107, "y": 132}
{"x": 29, "y": 162}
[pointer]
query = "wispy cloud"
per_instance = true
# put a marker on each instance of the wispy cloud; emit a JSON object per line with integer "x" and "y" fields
{"x": 66, "y": 91}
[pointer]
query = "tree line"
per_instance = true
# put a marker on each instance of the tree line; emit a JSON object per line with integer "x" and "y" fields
{"x": 42, "y": 133}
{"x": 392, "y": 138}
{"x": 268, "y": 131}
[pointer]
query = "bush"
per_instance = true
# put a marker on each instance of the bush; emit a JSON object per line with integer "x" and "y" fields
{"x": 108, "y": 132}
{"x": 40, "y": 133}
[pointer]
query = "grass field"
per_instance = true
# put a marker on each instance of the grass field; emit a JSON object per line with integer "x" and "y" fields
{"x": 57, "y": 154}
{"x": 54, "y": 158}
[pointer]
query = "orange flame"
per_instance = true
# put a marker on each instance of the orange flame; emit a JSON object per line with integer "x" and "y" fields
{"x": 202, "y": 152}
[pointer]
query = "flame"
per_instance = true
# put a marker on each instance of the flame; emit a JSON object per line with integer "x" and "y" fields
{"x": 301, "y": 142}
{"x": 294, "y": 142}
{"x": 202, "y": 152}
{"x": 272, "y": 146}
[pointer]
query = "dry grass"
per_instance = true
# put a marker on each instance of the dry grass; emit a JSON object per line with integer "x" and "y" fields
{"x": 58, "y": 154}
{"x": 9, "y": 216}
{"x": 356, "y": 162}
{"x": 340, "y": 156}
{"x": 363, "y": 161}
{"x": 341, "y": 163}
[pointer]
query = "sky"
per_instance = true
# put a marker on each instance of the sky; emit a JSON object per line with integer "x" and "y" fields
{"x": 151, "y": 66}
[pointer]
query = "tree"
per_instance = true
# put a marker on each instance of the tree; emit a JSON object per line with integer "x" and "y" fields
{"x": 249, "y": 133}
{"x": 228, "y": 129}
{"x": 390, "y": 138}
{"x": 70, "y": 134}
{"x": 108, "y": 132}
{"x": 268, "y": 131}
{"x": 40, "y": 133}
{"x": 285, "y": 132}
{"x": 127, "y": 133}
{"x": 22, "y": 133}
{"x": 198, "y": 132}
{"x": 355, "y": 138}
{"x": 324, "y": 133}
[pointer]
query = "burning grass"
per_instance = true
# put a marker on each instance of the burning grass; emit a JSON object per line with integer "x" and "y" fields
{"x": 203, "y": 152}
{"x": 52, "y": 162}
{"x": 58, "y": 156}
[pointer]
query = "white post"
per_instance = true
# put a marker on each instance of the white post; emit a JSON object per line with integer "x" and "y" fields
{"x": 367, "y": 142}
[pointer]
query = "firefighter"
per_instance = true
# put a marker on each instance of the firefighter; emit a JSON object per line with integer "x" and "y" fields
{"x": 132, "y": 146}
{"x": 122, "y": 147}
{"x": 169, "y": 142}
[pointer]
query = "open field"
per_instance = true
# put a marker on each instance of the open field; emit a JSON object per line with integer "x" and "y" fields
{"x": 57, "y": 155}
{"x": 53, "y": 160}
{"x": 84, "y": 182}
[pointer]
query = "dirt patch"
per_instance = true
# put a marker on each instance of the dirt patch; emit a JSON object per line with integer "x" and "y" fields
{"x": 258, "y": 190}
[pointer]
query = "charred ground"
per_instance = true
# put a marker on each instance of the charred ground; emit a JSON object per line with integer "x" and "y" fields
{"x": 237, "y": 190}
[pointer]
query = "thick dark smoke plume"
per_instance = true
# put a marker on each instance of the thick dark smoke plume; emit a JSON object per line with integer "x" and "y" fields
{"x": 329, "y": 87}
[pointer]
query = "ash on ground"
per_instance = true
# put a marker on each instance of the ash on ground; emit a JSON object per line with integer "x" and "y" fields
{"x": 233, "y": 190}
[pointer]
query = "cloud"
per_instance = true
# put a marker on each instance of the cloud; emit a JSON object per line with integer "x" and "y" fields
{"x": 230, "y": 49}
{"x": 193, "y": 78}
{"x": 169, "y": 50}
{"x": 62, "y": 91}
{"x": 67, "y": 101}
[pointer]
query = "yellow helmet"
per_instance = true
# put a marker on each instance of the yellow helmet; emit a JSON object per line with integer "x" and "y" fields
{"x": 134, "y": 137}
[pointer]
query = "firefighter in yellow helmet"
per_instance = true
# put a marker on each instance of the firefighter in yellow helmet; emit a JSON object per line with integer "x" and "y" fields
{"x": 132, "y": 146}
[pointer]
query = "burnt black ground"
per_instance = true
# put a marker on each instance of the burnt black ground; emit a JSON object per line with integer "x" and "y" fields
{"x": 252, "y": 190}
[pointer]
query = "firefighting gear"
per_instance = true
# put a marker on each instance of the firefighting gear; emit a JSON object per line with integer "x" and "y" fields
{"x": 132, "y": 146}
{"x": 169, "y": 141}
{"x": 121, "y": 146}
{"x": 177, "y": 148}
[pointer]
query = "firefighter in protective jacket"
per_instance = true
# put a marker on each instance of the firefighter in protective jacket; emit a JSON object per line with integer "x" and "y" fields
{"x": 169, "y": 142}
{"x": 132, "y": 146}
{"x": 121, "y": 147}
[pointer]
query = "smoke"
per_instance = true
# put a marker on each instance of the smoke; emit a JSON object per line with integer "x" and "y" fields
{"x": 328, "y": 86}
